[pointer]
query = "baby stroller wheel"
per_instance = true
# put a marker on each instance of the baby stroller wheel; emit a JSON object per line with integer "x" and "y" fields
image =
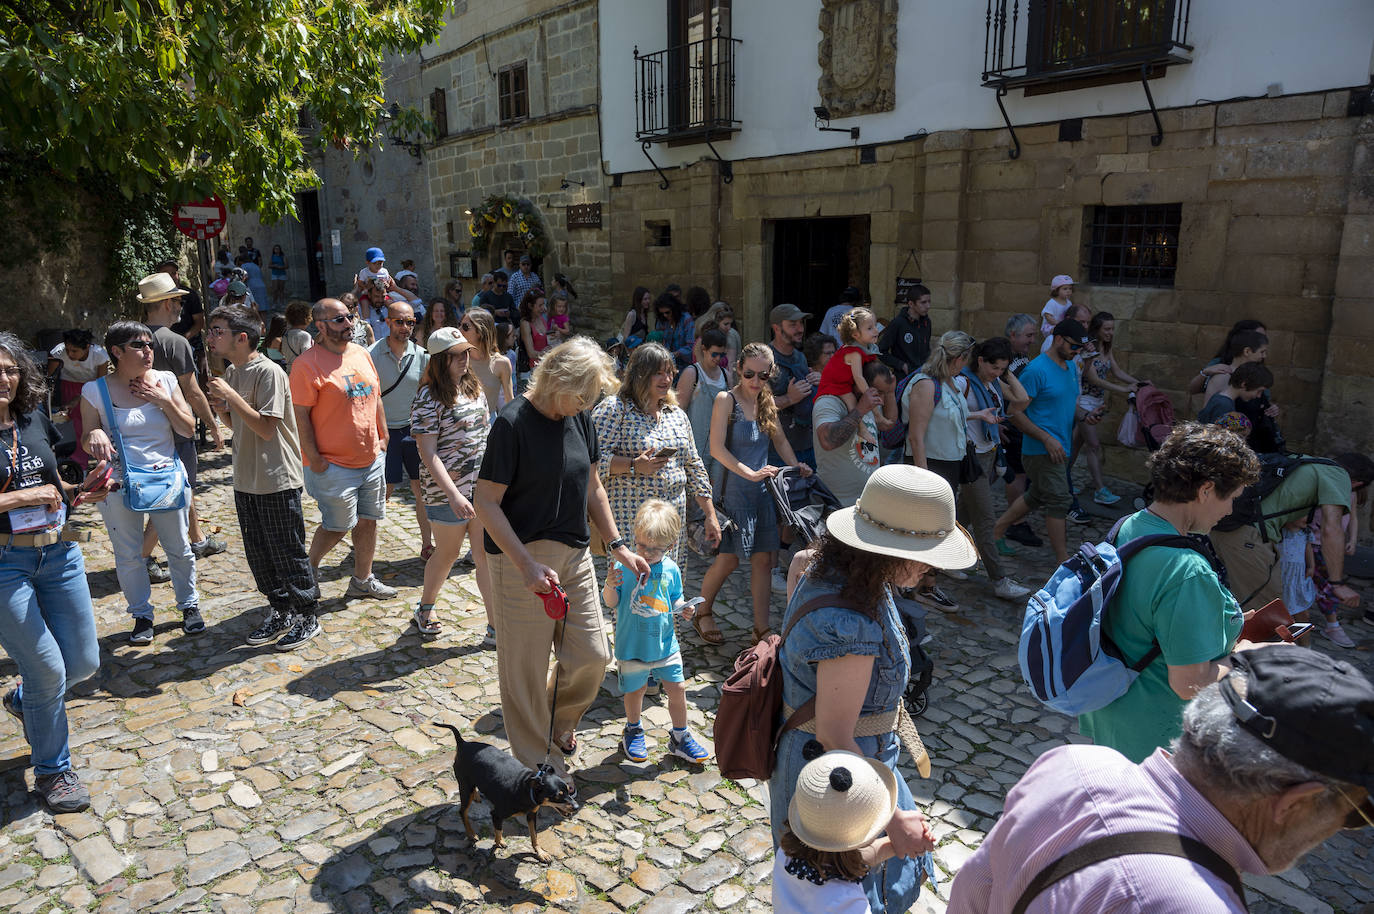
{"x": 916, "y": 700}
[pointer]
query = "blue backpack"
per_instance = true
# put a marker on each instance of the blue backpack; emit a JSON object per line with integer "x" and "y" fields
{"x": 1068, "y": 661}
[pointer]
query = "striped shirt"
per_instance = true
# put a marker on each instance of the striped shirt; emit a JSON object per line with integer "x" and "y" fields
{"x": 1075, "y": 794}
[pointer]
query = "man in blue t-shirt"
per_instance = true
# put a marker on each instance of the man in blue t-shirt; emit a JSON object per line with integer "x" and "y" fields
{"x": 1052, "y": 381}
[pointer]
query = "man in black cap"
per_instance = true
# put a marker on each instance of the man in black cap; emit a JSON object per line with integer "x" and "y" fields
{"x": 1274, "y": 758}
{"x": 1052, "y": 381}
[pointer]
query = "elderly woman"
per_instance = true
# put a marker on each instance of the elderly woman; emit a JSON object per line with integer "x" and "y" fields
{"x": 1171, "y": 605}
{"x": 845, "y": 647}
{"x": 47, "y": 622}
{"x": 648, "y": 449}
{"x": 148, "y": 408}
{"x": 536, "y": 490}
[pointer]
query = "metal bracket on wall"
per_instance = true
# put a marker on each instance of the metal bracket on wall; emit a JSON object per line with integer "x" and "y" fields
{"x": 727, "y": 169}
{"x": 1158, "y": 136}
{"x": 1015, "y": 151}
{"x": 663, "y": 179}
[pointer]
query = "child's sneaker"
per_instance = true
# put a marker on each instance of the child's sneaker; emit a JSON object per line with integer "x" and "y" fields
{"x": 636, "y": 750}
{"x": 1105, "y": 496}
{"x": 687, "y": 747}
{"x": 1336, "y": 635}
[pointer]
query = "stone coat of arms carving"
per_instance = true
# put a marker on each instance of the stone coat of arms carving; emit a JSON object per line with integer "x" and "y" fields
{"x": 858, "y": 56}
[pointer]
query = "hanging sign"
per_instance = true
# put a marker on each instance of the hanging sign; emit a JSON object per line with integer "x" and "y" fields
{"x": 201, "y": 220}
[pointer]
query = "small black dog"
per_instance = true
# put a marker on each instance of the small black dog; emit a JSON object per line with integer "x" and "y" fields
{"x": 508, "y": 786}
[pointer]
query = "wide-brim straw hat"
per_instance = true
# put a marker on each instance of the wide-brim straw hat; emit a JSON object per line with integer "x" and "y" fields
{"x": 158, "y": 287}
{"x": 906, "y": 512}
{"x": 830, "y": 819}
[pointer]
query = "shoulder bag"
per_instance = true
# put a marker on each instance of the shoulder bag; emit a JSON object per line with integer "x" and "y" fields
{"x": 147, "y": 490}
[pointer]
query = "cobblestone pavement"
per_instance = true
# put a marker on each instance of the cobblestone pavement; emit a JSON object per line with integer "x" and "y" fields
{"x": 236, "y": 779}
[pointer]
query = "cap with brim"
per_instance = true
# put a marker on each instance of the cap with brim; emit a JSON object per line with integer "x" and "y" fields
{"x": 906, "y": 512}
{"x": 374, "y": 254}
{"x": 237, "y": 288}
{"x": 1073, "y": 330}
{"x": 446, "y": 338}
{"x": 829, "y": 819}
{"x": 1063, "y": 279}
{"x": 787, "y": 313}
{"x": 158, "y": 287}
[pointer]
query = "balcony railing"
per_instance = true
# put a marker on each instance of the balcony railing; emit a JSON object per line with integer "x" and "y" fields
{"x": 686, "y": 91}
{"x": 1043, "y": 41}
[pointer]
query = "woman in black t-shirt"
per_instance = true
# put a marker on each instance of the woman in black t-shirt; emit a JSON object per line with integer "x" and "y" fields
{"x": 536, "y": 491}
{"x": 47, "y": 622}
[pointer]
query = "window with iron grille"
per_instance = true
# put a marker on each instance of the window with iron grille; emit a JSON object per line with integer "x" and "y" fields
{"x": 658, "y": 234}
{"x": 513, "y": 92}
{"x": 1134, "y": 245}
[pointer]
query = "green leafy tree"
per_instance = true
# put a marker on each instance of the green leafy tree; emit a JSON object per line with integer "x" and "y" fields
{"x": 191, "y": 99}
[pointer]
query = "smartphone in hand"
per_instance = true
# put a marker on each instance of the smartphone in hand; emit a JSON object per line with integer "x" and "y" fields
{"x": 665, "y": 452}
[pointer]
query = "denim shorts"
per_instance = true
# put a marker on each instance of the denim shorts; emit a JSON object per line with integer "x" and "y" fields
{"x": 401, "y": 451}
{"x": 186, "y": 450}
{"x": 443, "y": 515}
{"x": 345, "y": 494}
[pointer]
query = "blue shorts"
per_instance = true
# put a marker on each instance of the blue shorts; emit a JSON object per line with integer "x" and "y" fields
{"x": 401, "y": 451}
{"x": 443, "y": 515}
{"x": 638, "y": 679}
{"x": 345, "y": 494}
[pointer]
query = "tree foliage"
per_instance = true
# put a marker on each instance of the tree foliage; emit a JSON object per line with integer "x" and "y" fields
{"x": 191, "y": 99}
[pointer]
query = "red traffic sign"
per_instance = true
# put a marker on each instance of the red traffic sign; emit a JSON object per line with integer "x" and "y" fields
{"x": 201, "y": 220}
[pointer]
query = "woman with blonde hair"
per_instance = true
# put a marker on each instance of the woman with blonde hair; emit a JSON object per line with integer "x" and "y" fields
{"x": 536, "y": 492}
{"x": 744, "y": 421}
{"x": 489, "y": 363}
{"x": 937, "y": 413}
{"x": 723, "y": 316}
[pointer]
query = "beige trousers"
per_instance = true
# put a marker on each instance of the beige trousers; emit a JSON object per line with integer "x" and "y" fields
{"x": 976, "y": 512}
{"x": 1252, "y": 566}
{"x": 525, "y": 636}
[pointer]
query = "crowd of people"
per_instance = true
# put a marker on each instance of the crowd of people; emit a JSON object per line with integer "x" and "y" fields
{"x": 537, "y": 446}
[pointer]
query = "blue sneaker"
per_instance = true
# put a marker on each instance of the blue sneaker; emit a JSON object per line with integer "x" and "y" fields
{"x": 687, "y": 748}
{"x": 633, "y": 743}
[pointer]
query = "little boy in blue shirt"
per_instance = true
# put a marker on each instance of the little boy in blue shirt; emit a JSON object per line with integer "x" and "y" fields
{"x": 645, "y": 640}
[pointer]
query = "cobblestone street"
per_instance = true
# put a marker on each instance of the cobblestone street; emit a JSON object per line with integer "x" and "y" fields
{"x": 238, "y": 779}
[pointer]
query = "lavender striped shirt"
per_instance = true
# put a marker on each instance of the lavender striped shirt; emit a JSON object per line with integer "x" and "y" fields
{"x": 1075, "y": 794}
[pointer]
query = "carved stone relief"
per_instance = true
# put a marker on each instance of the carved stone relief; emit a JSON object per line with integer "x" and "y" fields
{"x": 858, "y": 56}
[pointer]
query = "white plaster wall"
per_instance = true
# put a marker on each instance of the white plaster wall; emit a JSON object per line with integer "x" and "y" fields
{"x": 1240, "y": 48}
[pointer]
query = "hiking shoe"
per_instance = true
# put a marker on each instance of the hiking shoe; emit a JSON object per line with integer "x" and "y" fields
{"x": 1010, "y": 589}
{"x": 63, "y": 792}
{"x": 633, "y": 743}
{"x": 156, "y": 573}
{"x": 10, "y": 702}
{"x": 142, "y": 633}
{"x": 489, "y": 639}
{"x": 211, "y": 545}
{"x": 1336, "y": 635}
{"x": 687, "y": 748}
{"x": 779, "y": 580}
{"x": 1023, "y": 534}
{"x": 1005, "y": 548}
{"x": 306, "y": 628}
{"x": 1105, "y": 496}
{"x": 371, "y": 587}
{"x": 191, "y": 621}
{"x": 1078, "y": 516}
{"x": 274, "y": 627}
{"x": 935, "y": 598}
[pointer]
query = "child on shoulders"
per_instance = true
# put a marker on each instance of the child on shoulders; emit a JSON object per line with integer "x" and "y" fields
{"x": 843, "y": 375}
{"x": 1061, "y": 287}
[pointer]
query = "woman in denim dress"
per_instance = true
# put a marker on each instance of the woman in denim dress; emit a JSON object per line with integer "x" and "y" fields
{"x": 856, "y": 662}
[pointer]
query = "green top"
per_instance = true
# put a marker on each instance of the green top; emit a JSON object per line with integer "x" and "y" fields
{"x": 1308, "y": 485}
{"x": 1174, "y": 597}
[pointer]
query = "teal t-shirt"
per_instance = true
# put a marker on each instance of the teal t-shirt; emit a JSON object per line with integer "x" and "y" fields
{"x": 1054, "y": 394}
{"x": 644, "y": 615}
{"x": 1308, "y": 485}
{"x": 1174, "y": 597}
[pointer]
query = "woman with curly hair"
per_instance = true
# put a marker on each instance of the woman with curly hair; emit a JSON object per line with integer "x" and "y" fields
{"x": 744, "y": 421}
{"x": 441, "y": 312}
{"x": 1171, "y": 606}
{"x": 845, "y": 649}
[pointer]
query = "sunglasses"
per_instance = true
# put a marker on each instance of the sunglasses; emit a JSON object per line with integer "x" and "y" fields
{"x": 403, "y": 321}
{"x": 749, "y": 373}
{"x": 340, "y": 320}
{"x": 465, "y": 325}
{"x": 1076, "y": 346}
{"x": 140, "y": 345}
{"x": 1360, "y": 817}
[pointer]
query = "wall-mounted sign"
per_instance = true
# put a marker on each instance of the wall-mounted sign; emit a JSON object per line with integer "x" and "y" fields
{"x": 584, "y": 215}
{"x": 904, "y": 286}
{"x": 337, "y": 242}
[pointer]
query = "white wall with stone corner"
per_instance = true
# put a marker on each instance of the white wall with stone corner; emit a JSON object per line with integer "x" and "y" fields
{"x": 1241, "y": 48}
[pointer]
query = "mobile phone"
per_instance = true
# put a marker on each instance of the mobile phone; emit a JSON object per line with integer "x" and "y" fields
{"x": 99, "y": 482}
{"x": 666, "y": 452}
{"x": 1295, "y": 631}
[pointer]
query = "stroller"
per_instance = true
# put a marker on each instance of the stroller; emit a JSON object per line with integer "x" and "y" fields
{"x": 1152, "y": 416}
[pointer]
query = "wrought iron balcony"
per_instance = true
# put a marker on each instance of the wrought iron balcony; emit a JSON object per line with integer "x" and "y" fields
{"x": 686, "y": 93}
{"x": 1043, "y": 41}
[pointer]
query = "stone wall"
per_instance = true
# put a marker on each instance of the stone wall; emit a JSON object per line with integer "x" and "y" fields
{"x": 1278, "y": 224}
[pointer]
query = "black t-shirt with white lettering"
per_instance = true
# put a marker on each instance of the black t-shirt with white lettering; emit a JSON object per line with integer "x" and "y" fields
{"x": 545, "y": 465}
{"x": 33, "y": 459}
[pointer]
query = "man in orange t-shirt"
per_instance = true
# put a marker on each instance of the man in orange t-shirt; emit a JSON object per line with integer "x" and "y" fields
{"x": 337, "y": 398}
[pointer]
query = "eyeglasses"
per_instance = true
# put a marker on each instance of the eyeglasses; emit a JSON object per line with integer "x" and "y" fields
{"x": 403, "y": 321}
{"x": 217, "y": 331}
{"x": 340, "y": 320}
{"x": 749, "y": 373}
{"x": 12, "y": 371}
{"x": 140, "y": 345}
{"x": 1359, "y": 818}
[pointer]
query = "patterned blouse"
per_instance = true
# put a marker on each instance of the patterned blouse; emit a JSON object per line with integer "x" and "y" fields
{"x": 462, "y": 431}
{"x": 623, "y": 431}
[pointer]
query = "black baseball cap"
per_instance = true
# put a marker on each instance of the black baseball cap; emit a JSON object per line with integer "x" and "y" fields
{"x": 852, "y": 294}
{"x": 1072, "y": 329}
{"x": 1309, "y": 708}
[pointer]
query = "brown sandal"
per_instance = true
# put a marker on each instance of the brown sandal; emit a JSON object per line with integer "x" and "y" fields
{"x": 713, "y": 636}
{"x": 761, "y": 633}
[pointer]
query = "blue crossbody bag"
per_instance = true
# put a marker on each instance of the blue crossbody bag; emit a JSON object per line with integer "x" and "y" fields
{"x": 147, "y": 490}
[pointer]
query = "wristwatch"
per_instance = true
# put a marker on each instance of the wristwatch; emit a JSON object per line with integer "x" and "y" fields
{"x": 615, "y": 544}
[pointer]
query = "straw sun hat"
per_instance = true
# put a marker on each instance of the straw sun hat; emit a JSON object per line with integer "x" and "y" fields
{"x": 842, "y": 801}
{"x": 906, "y": 512}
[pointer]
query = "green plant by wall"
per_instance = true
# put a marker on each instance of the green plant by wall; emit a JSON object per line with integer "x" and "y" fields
{"x": 141, "y": 236}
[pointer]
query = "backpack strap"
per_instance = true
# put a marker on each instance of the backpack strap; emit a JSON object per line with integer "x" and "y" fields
{"x": 1166, "y": 844}
{"x": 807, "y": 712}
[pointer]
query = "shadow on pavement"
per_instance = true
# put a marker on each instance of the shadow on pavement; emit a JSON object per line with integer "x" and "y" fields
{"x": 383, "y": 665}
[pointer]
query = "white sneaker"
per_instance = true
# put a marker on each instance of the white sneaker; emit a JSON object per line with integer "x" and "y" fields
{"x": 1337, "y": 635}
{"x": 954, "y": 575}
{"x": 779, "y": 581}
{"x": 1009, "y": 589}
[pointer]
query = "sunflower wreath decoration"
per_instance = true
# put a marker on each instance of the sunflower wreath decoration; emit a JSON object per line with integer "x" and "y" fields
{"x": 508, "y": 206}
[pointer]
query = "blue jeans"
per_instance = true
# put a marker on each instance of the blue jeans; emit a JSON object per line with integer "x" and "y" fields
{"x": 47, "y": 626}
{"x": 126, "y": 540}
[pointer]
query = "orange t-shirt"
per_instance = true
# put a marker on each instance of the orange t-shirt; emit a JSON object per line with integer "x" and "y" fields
{"x": 341, "y": 392}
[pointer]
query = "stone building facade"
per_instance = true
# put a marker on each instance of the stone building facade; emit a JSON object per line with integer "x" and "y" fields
{"x": 543, "y": 149}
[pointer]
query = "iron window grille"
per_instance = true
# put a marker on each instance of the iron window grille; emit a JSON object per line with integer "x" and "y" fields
{"x": 513, "y": 92}
{"x": 688, "y": 90}
{"x": 1134, "y": 245}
